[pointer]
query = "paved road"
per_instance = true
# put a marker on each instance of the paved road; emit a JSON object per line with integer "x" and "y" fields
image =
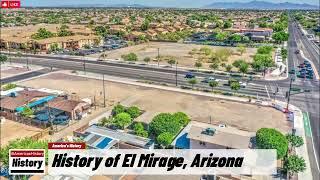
{"x": 25, "y": 75}
{"x": 310, "y": 102}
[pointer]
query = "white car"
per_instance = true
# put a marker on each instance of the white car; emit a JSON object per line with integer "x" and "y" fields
{"x": 243, "y": 84}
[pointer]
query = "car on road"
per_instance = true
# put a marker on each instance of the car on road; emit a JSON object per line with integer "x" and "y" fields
{"x": 190, "y": 75}
{"x": 297, "y": 51}
{"x": 243, "y": 84}
{"x": 209, "y": 79}
{"x": 293, "y": 71}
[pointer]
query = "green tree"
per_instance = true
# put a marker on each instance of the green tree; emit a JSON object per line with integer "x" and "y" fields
{"x": 241, "y": 48}
{"x": 280, "y": 37}
{"x": 235, "y": 86}
{"x": 235, "y": 37}
{"x": 214, "y": 66}
{"x": 171, "y": 62}
{"x": 130, "y": 57}
{"x": 295, "y": 141}
{"x": 134, "y": 111}
{"x": 192, "y": 81}
{"x": 229, "y": 68}
{"x": 294, "y": 164}
{"x": 244, "y": 67}
{"x": 262, "y": 61}
{"x": 164, "y": 122}
{"x": 198, "y": 64}
{"x": 147, "y": 59}
{"x": 118, "y": 109}
{"x": 139, "y": 130}
{"x": 227, "y": 24}
{"x": 145, "y": 25}
{"x": 3, "y": 58}
{"x": 42, "y": 33}
{"x": 27, "y": 112}
{"x": 221, "y": 36}
{"x": 182, "y": 118}
{"x": 165, "y": 139}
{"x": 269, "y": 138}
{"x": 264, "y": 50}
{"x": 122, "y": 120}
{"x": 213, "y": 84}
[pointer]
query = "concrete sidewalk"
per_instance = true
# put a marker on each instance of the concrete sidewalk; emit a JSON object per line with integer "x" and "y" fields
{"x": 301, "y": 151}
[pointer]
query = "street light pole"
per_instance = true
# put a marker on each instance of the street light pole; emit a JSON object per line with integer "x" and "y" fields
{"x": 289, "y": 93}
{"x": 104, "y": 91}
{"x": 158, "y": 57}
{"x": 84, "y": 64}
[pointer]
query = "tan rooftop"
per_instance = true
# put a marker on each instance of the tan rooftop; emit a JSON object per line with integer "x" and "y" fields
{"x": 223, "y": 136}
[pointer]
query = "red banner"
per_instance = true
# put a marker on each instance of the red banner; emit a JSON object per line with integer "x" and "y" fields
{"x": 10, "y": 4}
{"x": 66, "y": 145}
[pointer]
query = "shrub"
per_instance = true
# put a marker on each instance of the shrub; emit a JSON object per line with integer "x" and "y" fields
{"x": 268, "y": 138}
{"x": 122, "y": 120}
{"x": 295, "y": 141}
{"x": 294, "y": 164}
{"x": 130, "y": 57}
{"x": 139, "y": 130}
{"x": 9, "y": 86}
{"x": 118, "y": 109}
{"x": 134, "y": 111}
{"x": 165, "y": 138}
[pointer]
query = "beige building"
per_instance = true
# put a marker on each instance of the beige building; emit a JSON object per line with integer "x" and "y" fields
{"x": 215, "y": 137}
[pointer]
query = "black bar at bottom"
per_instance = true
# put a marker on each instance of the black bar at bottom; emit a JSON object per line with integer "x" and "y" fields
{"x": 26, "y": 171}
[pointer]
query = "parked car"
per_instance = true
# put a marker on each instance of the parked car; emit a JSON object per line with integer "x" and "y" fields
{"x": 297, "y": 51}
{"x": 190, "y": 75}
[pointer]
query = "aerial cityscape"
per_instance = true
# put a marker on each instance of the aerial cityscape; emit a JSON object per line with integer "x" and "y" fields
{"x": 163, "y": 75}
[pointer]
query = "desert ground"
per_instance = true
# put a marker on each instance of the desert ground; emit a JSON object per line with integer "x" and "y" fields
{"x": 11, "y": 130}
{"x": 177, "y": 50}
{"x": 200, "y": 108}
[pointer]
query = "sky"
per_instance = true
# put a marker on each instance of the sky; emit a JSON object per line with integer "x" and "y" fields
{"x": 160, "y": 3}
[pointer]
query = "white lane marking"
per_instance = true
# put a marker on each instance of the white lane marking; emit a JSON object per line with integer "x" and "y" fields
{"x": 267, "y": 91}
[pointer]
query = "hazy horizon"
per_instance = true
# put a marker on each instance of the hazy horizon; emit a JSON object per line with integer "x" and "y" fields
{"x": 159, "y": 3}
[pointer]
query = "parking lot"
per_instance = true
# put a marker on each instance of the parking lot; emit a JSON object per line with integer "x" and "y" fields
{"x": 200, "y": 108}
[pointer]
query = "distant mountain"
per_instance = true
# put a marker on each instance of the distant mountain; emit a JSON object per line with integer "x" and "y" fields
{"x": 259, "y": 5}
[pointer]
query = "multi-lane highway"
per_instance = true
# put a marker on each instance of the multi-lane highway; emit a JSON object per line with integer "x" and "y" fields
{"x": 310, "y": 102}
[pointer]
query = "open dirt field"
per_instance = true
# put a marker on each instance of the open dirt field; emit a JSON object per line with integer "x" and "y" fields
{"x": 7, "y": 71}
{"x": 153, "y": 101}
{"x": 11, "y": 130}
{"x": 177, "y": 50}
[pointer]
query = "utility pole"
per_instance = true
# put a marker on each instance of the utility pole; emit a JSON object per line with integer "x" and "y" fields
{"x": 176, "y": 73}
{"x": 84, "y": 64}
{"x": 289, "y": 93}
{"x": 158, "y": 57}
{"x": 104, "y": 91}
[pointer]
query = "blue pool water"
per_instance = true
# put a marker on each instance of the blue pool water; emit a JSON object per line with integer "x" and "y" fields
{"x": 104, "y": 143}
{"x": 183, "y": 142}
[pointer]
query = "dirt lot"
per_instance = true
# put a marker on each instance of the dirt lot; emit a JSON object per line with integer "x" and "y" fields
{"x": 7, "y": 71}
{"x": 153, "y": 101}
{"x": 177, "y": 50}
{"x": 11, "y": 130}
